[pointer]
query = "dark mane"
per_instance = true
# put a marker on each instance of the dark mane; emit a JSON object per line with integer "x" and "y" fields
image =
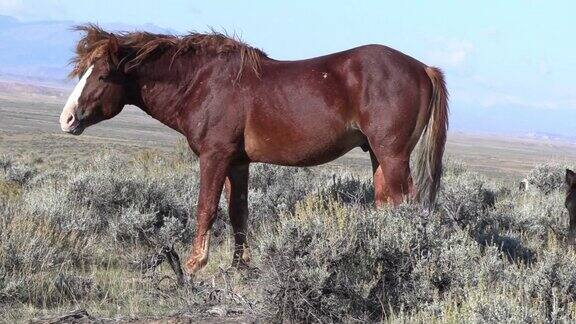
{"x": 138, "y": 46}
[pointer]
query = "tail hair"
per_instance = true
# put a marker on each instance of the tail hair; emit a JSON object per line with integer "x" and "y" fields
{"x": 428, "y": 163}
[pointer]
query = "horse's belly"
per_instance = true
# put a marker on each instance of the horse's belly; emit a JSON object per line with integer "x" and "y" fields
{"x": 303, "y": 149}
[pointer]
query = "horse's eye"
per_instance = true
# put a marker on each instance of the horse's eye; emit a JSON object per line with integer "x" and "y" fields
{"x": 104, "y": 77}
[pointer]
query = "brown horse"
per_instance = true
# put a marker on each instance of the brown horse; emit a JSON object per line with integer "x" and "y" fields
{"x": 235, "y": 106}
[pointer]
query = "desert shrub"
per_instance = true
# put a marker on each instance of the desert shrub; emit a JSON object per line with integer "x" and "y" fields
{"x": 465, "y": 197}
{"x": 470, "y": 201}
{"x": 485, "y": 255}
{"x": 453, "y": 168}
{"x": 33, "y": 253}
{"x": 547, "y": 177}
{"x": 144, "y": 201}
{"x": 335, "y": 262}
{"x": 553, "y": 282}
{"x": 109, "y": 196}
{"x": 151, "y": 228}
{"x": 9, "y": 190}
{"x": 274, "y": 190}
{"x": 348, "y": 189}
{"x": 13, "y": 177}
{"x": 535, "y": 215}
{"x": 15, "y": 172}
{"x": 5, "y": 162}
{"x": 484, "y": 304}
{"x": 20, "y": 174}
{"x": 147, "y": 200}
{"x": 323, "y": 253}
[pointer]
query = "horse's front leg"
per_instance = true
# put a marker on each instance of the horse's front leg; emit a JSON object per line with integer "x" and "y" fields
{"x": 214, "y": 166}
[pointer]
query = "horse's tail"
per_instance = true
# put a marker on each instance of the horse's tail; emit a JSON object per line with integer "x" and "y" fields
{"x": 428, "y": 167}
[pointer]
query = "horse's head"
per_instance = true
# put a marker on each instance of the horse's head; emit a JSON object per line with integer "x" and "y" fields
{"x": 100, "y": 94}
{"x": 570, "y": 202}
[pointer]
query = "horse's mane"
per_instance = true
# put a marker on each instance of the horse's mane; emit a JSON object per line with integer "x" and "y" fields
{"x": 139, "y": 46}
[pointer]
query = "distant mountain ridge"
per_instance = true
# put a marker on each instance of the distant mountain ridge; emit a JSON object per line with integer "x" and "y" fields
{"x": 39, "y": 51}
{"x": 552, "y": 137}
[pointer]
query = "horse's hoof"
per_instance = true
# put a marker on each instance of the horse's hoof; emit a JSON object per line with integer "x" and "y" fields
{"x": 194, "y": 265}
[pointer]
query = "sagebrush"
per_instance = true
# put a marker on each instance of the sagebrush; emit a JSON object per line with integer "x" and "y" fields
{"x": 85, "y": 236}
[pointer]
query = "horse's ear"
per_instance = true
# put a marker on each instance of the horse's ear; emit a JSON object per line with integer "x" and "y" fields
{"x": 113, "y": 50}
{"x": 570, "y": 177}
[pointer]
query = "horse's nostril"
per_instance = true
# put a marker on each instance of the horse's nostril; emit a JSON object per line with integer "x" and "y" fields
{"x": 70, "y": 119}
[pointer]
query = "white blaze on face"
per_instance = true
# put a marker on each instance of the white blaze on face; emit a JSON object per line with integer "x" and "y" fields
{"x": 68, "y": 119}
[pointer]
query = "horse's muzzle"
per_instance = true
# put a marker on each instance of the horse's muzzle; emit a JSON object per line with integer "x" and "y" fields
{"x": 70, "y": 124}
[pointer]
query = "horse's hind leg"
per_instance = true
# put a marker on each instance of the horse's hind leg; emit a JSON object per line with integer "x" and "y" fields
{"x": 392, "y": 180}
{"x": 237, "y": 193}
{"x": 380, "y": 190}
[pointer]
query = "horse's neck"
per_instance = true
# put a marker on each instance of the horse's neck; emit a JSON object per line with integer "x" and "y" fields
{"x": 164, "y": 92}
{"x": 159, "y": 98}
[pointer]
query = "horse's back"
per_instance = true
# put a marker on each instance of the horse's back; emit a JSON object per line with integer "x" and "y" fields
{"x": 312, "y": 111}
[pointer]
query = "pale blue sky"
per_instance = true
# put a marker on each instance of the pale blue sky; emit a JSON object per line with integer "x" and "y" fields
{"x": 498, "y": 55}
